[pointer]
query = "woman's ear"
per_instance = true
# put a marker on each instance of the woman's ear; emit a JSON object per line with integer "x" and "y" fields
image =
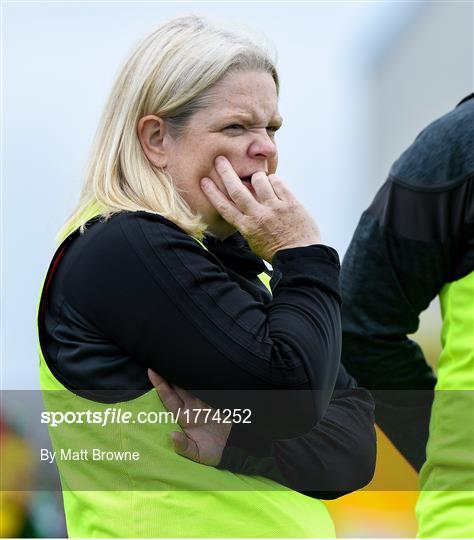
{"x": 151, "y": 132}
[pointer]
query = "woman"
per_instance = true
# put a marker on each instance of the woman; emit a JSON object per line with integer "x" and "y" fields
{"x": 151, "y": 273}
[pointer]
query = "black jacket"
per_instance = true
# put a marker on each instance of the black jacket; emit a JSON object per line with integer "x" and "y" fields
{"x": 137, "y": 292}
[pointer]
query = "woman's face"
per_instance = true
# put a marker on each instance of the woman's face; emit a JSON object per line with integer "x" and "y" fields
{"x": 240, "y": 124}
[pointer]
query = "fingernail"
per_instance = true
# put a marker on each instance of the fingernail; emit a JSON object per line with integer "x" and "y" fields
{"x": 220, "y": 160}
{"x": 152, "y": 376}
{"x": 205, "y": 183}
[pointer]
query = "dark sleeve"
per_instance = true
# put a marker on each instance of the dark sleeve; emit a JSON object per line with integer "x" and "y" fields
{"x": 168, "y": 303}
{"x": 335, "y": 458}
{"x": 409, "y": 243}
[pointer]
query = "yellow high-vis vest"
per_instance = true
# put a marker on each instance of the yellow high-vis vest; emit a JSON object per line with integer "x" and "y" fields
{"x": 445, "y": 507}
{"x": 161, "y": 494}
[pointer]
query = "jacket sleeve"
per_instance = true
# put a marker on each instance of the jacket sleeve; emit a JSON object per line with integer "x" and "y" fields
{"x": 168, "y": 303}
{"x": 334, "y": 458}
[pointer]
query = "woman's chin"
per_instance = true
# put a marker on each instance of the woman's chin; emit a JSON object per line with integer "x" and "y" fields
{"x": 221, "y": 229}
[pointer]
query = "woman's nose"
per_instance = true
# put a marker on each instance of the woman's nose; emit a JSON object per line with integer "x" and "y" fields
{"x": 262, "y": 145}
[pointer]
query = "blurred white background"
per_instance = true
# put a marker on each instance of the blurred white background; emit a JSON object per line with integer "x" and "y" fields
{"x": 359, "y": 81}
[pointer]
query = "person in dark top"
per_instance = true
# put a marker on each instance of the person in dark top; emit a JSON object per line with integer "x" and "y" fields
{"x": 414, "y": 242}
{"x": 161, "y": 266}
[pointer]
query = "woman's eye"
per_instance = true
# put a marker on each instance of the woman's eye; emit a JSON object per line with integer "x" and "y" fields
{"x": 238, "y": 128}
{"x": 235, "y": 127}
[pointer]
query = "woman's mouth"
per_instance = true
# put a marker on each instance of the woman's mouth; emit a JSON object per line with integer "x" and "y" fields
{"x": 247, "y": 182}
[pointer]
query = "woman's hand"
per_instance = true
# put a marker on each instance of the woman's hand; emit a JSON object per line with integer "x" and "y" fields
{"x": 203, "y": 439}
{"x": 271, "y": 220}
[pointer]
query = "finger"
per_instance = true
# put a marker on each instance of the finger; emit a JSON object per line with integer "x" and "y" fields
{"x": 188, "y": 398}
{"x": 169, "y": 397}
{"x": 236, "y": 190}
{"x": 184, "y": 446}
{"x": 193, "y": 402}
{"x": 221, "y": 203}
{"x": 280, "y": 188}
{"x": 155, "y": 379}
{"x": 262, "y": 186}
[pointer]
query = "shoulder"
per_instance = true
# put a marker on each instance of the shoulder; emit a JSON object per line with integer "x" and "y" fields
{"x": 441, "y": 156}
{"x": 128, "y": 234}
{"x": 120, "y": 226}
{"x": 129, "y": 247}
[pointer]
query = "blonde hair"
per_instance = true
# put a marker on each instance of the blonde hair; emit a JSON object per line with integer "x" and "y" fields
{"x": 170, "y": 74}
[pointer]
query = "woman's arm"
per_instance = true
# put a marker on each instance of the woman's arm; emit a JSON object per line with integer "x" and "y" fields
{"x": 149, "y": 287}
{"x": 334, "y": 458}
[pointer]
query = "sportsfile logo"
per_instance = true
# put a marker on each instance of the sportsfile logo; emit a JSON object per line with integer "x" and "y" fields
{"x": 113, "y": 415}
